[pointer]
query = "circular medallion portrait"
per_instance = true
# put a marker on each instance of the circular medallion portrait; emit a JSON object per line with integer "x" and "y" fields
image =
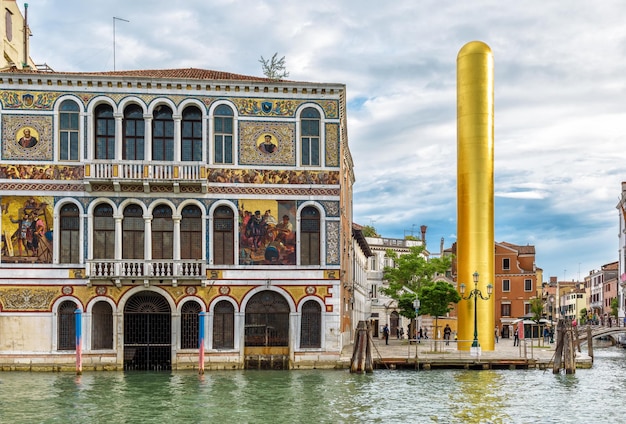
{"x": 27, "y": 137}
{"x": 267, "y": 143}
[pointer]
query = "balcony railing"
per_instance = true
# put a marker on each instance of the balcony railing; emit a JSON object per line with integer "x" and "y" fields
{"x": 140, "y": 268}
{"x": 141, "y": 170}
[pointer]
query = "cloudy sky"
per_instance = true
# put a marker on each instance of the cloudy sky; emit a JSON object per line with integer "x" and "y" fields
{"x": 560, "y": 98}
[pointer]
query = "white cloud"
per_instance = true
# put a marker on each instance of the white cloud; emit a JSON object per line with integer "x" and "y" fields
{"x": 559, "y": 90}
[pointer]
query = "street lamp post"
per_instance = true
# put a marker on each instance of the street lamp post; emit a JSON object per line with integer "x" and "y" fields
{"x": 416, "y": 305}
{"x": 475, "y": 293}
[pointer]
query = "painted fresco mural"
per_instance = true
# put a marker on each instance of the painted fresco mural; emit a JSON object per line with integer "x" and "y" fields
{"x": 273, "y": 176}
{"x": 27, "y": 229}
{"x": 267, "y": 232}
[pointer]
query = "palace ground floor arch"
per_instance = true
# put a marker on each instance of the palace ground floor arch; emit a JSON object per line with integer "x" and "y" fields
{"x": 275, "y": 326}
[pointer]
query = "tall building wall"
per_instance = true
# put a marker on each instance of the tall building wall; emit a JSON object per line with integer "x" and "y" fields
{"x": 179, "y": 192}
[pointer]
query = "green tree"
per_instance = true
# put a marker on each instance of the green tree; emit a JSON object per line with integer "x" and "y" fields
{"x": 536, "y": 308}
{"x": 412, "y": 271}
{"x": 274, "y": 68}
{"x": 614, "y": 306}
{"x": 436, "y": 300}
{"x": 369, "y": 231}
{"x": 583, "y": 316}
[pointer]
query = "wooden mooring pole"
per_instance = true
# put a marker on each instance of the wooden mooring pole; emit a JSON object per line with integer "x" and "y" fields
{"x": 362, "y": 352}
{"x": 565, "y": 354}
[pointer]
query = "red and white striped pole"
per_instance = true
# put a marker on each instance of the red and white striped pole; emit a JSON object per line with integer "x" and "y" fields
{"x": 78, "y": 316}
{"x": 201, "y": 343}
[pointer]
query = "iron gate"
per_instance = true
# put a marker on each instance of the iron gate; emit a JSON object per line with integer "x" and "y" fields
{"x": 147, "y": 333}
{"x": 267, "y": 320}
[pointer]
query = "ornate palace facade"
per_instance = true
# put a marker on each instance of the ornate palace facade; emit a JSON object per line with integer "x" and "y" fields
{"x": 151, "y": 204}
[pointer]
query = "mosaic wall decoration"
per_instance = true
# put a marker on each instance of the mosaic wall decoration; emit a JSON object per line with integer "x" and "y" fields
{"x": 27, "y": 229}
{"x": 273, "y": 176}
{"x": 332, "y": 243}
{"x": 27, "y": 100}
{"x": 20, "y": 299}
{"x": 267, "y": 233}
{"x": 331, "y": 208}
{"x": 266, "y": 143}
{"x": 332, "y": 144}
{"x": 281, "y": 107}
{"x": 27, "y": 137}
{"x": 41, "y": 172}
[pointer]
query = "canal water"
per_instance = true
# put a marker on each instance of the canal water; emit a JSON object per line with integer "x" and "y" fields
{"x": 439, "y": 396}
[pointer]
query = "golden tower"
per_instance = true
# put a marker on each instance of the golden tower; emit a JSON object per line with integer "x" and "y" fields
{"x": 475, "y": 204}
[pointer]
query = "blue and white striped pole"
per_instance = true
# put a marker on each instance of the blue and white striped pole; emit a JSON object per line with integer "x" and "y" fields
{"x": 78, "y": 316}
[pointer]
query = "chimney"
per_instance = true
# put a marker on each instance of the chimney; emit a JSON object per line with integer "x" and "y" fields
{"x": 423, "y": 229}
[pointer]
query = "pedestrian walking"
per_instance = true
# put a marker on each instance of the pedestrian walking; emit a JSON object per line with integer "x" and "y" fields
{"x": 515, "y": 338}
{"x": 497, "y": 333}
{"x": 446, "y": 334}
{"x": 420, "y": 334}
{"x": 386, "y": 334}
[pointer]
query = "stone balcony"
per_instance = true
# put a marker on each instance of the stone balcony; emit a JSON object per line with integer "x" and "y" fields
{"x": 141, "y": 270}
{"x": 144, "y": 173}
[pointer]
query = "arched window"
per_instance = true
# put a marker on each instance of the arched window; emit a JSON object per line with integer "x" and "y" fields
{"x": 191, "y": 139}
{"x": 134, "y": 133}
{"x": 223, "y": 134}
{"x": 133, "y": 229}
{"x": 310, "y": 236}
{"x": 191, "y": 233}
{"x": 69, "y": 242}
{"x": 223, "y": 236}
{"x": 68, "y": 130}
{"x": 310, "y": 137}
{"x": 101, "y": 326}
{"x": 162, "y": 233}
{"x": 223, "y": 325}
{"x": 162, "y": 134}
{"x": 311, "y": 325}
{"x": 66, "y": 326}
{"x": 103, "y": 234}
{"x": 105, "y": 132}
{"x": 190, "y": 325}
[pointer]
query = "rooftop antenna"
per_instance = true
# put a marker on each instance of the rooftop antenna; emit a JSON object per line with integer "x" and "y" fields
{"x": 115, "y": 19}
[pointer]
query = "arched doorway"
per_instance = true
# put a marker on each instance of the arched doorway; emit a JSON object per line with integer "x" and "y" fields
{"x": 267, "y": 331}
{"x": 147, "y": 332}
{"x": 394, "y": 324}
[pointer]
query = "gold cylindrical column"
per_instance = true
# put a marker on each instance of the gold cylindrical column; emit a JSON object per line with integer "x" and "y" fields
{"x": 475, "y": 204}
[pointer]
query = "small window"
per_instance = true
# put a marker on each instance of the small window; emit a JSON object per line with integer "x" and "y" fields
{"x": 310, "y": 236}
{"x": 223, "y": 236}
{"x": 102, "y": 326}
{"x": 190, "y": 325}
{"x": 310, "y": 137}
{"x": 105, "y": 132}
{"x": 191, "y": 139}
{"x": 528, "y": 285}
{"x": 223, "y": 325}
{"x": 505, "y": 310}
{"x": 223, "y": 135}
{"x": 163, "y": 134}
{"x": 506, "y": 264}
{"x": 69, "y": 243}
{"x": 66, "y": 326}
{"x": 506, "y": 285}
{"x": 68, "y": 131}
{"x": 311, "y": 326}
{"x": 134, "y": 132}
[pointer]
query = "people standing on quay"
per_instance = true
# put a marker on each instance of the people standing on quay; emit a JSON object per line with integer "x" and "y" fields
{"x": 496, "y": 331}
{"x": 420, "y": 334}
{"x": 515, "y": 338}
{"x": 386, "y": 334}
{"x": 446, "y": 334}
